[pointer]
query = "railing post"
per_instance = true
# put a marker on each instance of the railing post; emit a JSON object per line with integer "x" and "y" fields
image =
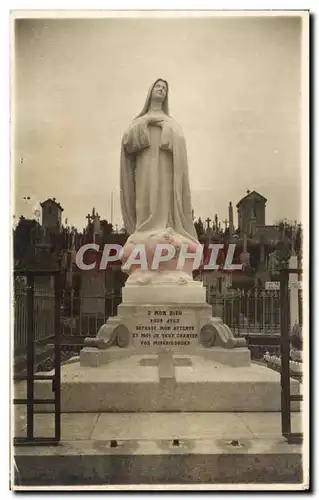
{"x": 30, "y": 355}
{"x": 57, "y": 355}
{"x": 271, "y": 309}
{"x": 263, "y": 302}
{"x": 284, "y": 351}
{"x": 72, "y": 309}
{"x": 105, "y": 301}
{"x": 255, "y": 313}
{"x": 232, "y": 311}
{"x": 300, "y": 306}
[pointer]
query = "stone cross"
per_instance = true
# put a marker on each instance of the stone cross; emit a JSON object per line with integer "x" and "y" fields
{"x": 166, "y": 364}
{"x": 96, "y": 226}
{"x": 208, "y": 220}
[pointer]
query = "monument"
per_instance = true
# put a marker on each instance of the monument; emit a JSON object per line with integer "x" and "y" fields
{"x": 164, "y": 351}
{"x": 163, "y": 307}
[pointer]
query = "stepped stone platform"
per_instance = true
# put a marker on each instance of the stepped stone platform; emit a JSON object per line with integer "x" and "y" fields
{"x": 165, "y": 382}
{"x": 183, "y": 449}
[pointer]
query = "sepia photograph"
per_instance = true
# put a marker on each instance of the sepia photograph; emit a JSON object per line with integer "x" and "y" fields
{"x": 160, "y": 250}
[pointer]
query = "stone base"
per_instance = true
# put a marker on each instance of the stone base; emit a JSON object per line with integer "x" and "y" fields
{"x": 92, "y": 357}
{"x": 138, "y": 384}
{"x": 146, "y": 465}
{"x": 165, "y": 293}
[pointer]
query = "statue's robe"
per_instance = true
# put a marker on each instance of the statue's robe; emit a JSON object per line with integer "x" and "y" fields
{"x": 155, "y": 191}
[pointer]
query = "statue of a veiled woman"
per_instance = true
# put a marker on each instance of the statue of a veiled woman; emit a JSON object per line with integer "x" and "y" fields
{"x": 155, "y": 191}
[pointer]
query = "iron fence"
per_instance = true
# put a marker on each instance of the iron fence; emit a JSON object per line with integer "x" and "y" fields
{"x": 43, "y": 304}
{"x": 253, "y": 311}
{"x": 285, "y": 367}
{"x": 30, "y": 377}
{"x": 81, "y": 316}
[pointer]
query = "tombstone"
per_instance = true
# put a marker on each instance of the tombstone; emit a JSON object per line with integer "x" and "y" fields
{"x": 92, "y": 292}
{"x": 92, "y": 289}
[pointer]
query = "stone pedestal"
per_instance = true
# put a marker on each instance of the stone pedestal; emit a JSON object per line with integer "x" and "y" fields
{"x": 152, "y": 328}
{"x": 163, "y": 310}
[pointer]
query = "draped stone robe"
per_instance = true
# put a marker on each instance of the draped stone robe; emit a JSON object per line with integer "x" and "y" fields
{"x": 155, "y": 191}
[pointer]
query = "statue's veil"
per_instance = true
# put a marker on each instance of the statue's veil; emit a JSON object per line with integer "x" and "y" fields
{"x": 148, "y": 99}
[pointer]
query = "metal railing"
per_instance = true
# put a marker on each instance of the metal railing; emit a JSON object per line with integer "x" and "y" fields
{"x": 81, "y": 316}
{"x": 43, "y": 304}
{"x": 31, "y": 327}
{"x": 253, "y": 311}
{"x": 285, "y": 372}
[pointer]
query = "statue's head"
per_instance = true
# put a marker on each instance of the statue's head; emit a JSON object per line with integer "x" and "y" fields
{"x": 158, "y": 92}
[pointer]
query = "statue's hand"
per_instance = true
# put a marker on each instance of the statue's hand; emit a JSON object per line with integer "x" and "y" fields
{"x": 156, "y": 121}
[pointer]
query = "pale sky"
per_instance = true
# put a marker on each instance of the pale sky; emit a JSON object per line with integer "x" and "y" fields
{"x": 234, "y": 87}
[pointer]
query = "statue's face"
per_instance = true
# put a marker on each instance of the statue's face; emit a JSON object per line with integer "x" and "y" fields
{"x": 159, "y": 91}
